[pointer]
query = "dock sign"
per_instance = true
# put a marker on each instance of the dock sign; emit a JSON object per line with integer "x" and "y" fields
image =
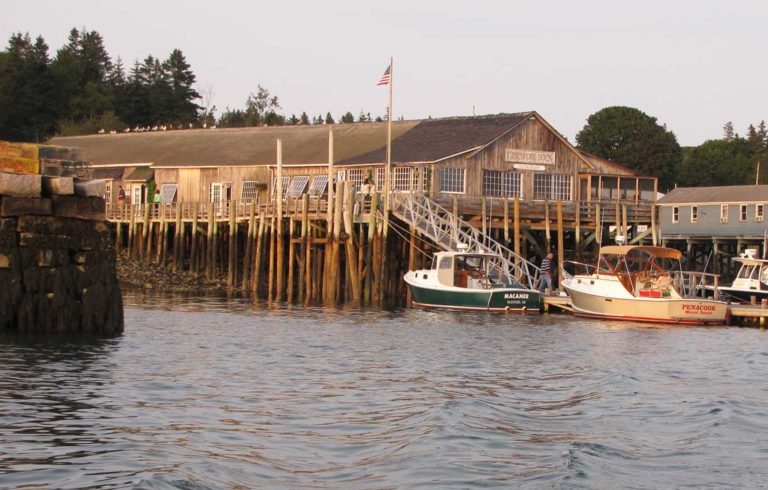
{"x": 530, "y": 157}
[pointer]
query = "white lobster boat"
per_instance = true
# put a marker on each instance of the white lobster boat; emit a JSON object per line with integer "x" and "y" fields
{"x": 641, "y": 283}
{"x": 751, "y": 280}
{"x": 465, "y": 280}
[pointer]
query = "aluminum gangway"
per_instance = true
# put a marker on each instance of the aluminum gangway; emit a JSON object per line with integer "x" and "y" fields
{"x": 452, "y": 233}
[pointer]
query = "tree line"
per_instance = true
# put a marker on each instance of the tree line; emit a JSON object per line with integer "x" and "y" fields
{"x": 82, "y": 90}
{"x": 631, "y": 137}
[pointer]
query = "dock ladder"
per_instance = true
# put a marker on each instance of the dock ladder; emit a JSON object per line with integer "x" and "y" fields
{"x": 449, "y": 231}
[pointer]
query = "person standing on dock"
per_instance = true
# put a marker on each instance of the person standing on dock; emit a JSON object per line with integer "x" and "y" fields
{"x": 546, "y": 273}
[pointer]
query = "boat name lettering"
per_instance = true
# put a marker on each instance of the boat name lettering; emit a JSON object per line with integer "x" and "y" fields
{"x": 705, "y": 309}
{"x": 515, "y": 296}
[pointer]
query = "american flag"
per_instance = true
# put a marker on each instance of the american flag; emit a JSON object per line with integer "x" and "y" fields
{"x": 386, "y": 77}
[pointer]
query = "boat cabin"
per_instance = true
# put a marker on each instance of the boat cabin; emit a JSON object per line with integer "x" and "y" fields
{"x": 465, "y": 270}
{"x": 753, "y": 274}
{"x": 643, "y": 271}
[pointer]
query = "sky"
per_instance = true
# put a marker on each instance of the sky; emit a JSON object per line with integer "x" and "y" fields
{"x": 693, "y": 65}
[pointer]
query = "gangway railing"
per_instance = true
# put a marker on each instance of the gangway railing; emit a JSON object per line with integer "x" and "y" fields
{"x": 449, "y": 232}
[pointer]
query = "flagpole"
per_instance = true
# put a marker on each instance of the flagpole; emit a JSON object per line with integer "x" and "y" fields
{"x": 388, "y": 166}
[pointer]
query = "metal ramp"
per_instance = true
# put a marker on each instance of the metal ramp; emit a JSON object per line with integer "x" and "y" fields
{"x": 449, "y": 231}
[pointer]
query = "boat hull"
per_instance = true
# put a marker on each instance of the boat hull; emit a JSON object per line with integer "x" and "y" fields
{"x": 503, "y": 300}
{"x": 656, "y": 310}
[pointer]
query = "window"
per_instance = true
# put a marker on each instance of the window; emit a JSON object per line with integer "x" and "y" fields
{"x": 675, "y": 214}
{"x": 250, "y": 190}
{"x": 402, "y": 180}
{"x": 355, "y": 178}
{"x": 758, "y": 212}
{"x": 426, "y": 182}
{"x": 555, "y": 187}
{"x": 341, "y": 175}
{"x": 168, "y": 193}
{"x": 723, "y": 213}
{"x": 297, "y": 186}
{"x": 743, "y": 212}
{"x": 108, "y": 191}
{"x": 319, "y": 183}
{"x": 501, "y": 184}
{"x": 286, "y": 181}
{"x": 380, "y": 172}
{"x": 452, "y": 180}
{"x": 694, "y": 214}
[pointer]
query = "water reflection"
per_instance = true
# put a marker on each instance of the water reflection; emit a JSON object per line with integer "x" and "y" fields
{"x": 222, "y": 393}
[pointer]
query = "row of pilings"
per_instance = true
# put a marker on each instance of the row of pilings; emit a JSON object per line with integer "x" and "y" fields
{"x": 308, "y": 253}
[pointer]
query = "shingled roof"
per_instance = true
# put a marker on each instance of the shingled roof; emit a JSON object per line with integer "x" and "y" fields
{"x": 720, "y": 194}
{"x": 233, "y": 147}
{"x": 435, "y": 139}
{"x": 412, "y": 141}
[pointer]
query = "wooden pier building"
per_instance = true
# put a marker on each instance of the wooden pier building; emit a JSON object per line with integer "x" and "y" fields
{"x": 511, "y": 176}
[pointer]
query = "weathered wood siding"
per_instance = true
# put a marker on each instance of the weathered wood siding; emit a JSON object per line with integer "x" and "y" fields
{"x": 530, "y": 135}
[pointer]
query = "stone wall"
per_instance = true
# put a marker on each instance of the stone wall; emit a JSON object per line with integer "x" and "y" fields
{"x": 57, "y": 259}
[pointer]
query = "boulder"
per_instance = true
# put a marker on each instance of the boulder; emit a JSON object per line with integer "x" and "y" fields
{"x": 58, "y": 186}
{"x": 20, "y": 185}
{"x": 20, "y": 206}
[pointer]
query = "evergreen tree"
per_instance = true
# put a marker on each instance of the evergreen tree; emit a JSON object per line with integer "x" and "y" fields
{"x": 329, "y": 118}
{"x": 728, "y": 132}
{"x": 304, "y": 118}
{"x": 347, "y": 118}
{"x": 28, "y": 97}
{"x": 293, "y": 120}
{"x": 182, "y": 107}
{"x": 318, "y": 119}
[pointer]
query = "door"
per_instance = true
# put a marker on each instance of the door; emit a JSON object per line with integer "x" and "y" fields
{"x": 137, "y": 198}
{"x": 217, "y": 198}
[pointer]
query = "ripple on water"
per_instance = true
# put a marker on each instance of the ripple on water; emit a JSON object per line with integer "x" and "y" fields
{"x": 215, "y": 392}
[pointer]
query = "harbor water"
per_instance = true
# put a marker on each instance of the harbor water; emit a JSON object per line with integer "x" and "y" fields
{"x": 220, "y": 393}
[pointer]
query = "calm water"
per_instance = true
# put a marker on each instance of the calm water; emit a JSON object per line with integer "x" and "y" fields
{"x": 211, "y": 393}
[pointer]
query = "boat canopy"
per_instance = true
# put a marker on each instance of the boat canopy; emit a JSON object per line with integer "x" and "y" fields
{"x": 660, "y": 252}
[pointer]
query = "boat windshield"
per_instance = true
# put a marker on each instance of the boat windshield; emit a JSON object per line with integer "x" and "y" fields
{"x": 635, "y": 260}
{"x": 747, "y": 271}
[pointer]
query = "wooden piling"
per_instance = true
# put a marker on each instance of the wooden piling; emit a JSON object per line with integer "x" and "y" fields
{"x": 257, "y": 257}
{"x": 279, "y": 265}
{"x": 560, "y": 239}
{"x": 351, "y": 246}
{"x": 210, "y": 256}
{"x": 304, "y": 250}
{"x": 232, "y": 249}
{"x": 516, "y": 230}
{"x": 194, "y": 262}
{"x": 291, "y": 259}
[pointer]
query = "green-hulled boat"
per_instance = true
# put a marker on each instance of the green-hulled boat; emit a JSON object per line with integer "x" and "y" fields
{"x": 465, "y": 281}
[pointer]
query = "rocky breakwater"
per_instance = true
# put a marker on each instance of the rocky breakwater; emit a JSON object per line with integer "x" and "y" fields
{"x": 57, "y": 260}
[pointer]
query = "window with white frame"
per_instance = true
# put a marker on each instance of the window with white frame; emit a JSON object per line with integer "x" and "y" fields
{"x": 380, "y": 173}
{"x": 355, "y": 178}
{"x": 675, "y": 214}
{"x": 402, "y": 179}
{"x": 723, "y": 213}
{"x": 554, "y": 187}
{"x": 694, "y": 214}
{"x": 168, "y": 193}
{"x": 743, "y": 212}
{"x": 502, "y": 184}
{"x": 452, "y": 180}
{"x": 758, "y": 212}
{"x": 319, "y": 183}
{"x": 426, "y": 179}
{"x": 249, "y": 191}
{"x": 297, "y": 186}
